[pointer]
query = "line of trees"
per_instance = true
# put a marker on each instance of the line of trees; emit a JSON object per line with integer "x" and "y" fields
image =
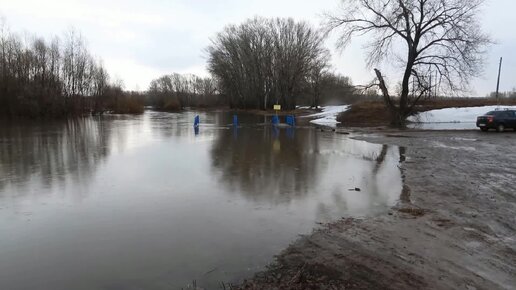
{"x": 502, "y": 95}
{"x": 177, "y": 91}
{"x": 56, "y": 78}
{"x": 263, "y": 62}
{"x": 331, "y": 88}
{"x": 255, "y": 65}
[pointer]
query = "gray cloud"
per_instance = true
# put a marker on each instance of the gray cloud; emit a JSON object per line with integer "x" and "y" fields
{"x": 140, "y": 40}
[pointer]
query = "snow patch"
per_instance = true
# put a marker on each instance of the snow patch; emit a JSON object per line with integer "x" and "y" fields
{"x": 328, "y": 116}
{"x": 455, "y": 115}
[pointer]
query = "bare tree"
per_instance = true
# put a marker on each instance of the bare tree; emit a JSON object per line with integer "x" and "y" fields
{"x": 176, "y": 91}
{"x": 263, "y": 62}
{"x": 38, "y": 78}
{"x": 424, "y": 38}
{"x": 316, "y": 77}
{"x": 76, "y": 63}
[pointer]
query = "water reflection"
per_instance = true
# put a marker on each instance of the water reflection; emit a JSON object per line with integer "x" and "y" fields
{"x": 343, "y": 176}
{"x": 142, "y": 202}
{"x": 267, "y": 163}
{"x": 50, "y": 153}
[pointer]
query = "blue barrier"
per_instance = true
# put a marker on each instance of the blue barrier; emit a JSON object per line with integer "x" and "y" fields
{"x": 275, "y": 120}
{"x": 235, "y": 120}
{"x": 196, "y": 121}
{"x": 290, "y": 120}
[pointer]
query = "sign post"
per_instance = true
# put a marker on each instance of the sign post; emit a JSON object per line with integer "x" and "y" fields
{"x": 275, "y": 118}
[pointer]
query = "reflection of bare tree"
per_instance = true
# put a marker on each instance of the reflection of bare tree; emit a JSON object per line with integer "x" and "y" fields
{"x": 52, "y": 151}
{"x": 377, "y": 187}
{"x": 378, "y": 178}
{"x": 380, "y": 159}
{"x": 172, "y": 124}
{"x": 270, "y": 164}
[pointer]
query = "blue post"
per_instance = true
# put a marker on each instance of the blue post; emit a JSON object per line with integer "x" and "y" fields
{"x": 275, "y": 120}
{"x": 235, "y": 120}
{"x": 196, "y": 121}
{"x": 290, "y": 120}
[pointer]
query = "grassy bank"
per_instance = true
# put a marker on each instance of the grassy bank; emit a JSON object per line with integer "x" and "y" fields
{"x": 127, "y": 105}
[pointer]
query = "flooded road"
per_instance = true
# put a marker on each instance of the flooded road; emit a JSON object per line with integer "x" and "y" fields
{"x": 143, "y": 202}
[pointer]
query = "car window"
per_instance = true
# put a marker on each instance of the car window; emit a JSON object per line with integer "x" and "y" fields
{"x": 504, "y": 114}
{"x": 507, "y": 114}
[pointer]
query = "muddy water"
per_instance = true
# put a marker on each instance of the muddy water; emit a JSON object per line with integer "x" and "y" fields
{"x": 146, "y": 203}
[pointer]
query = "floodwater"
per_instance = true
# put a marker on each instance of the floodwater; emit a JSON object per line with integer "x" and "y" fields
{"x": 143, "y": 202}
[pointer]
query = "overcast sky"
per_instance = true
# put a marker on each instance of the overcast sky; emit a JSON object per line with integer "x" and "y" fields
{"x": 141, "y": 40}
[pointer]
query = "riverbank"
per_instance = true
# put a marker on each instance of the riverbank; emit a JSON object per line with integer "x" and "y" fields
{"x": 453, "y": 228}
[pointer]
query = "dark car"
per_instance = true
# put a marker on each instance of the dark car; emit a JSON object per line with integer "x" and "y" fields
{"x": 499, "y": 120}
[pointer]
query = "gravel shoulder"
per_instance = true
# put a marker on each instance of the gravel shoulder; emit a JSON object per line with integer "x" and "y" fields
{"x": 454, "y": 227}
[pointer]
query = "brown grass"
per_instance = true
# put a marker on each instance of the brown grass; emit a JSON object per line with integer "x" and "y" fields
{"x": 443, "y": 103}
{"x": 172, "y": 105}
{"x": 128, "y": 105}
{"x": 416, "y": 212}
{"x": 365, "y": 114}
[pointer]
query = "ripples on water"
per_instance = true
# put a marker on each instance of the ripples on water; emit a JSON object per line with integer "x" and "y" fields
{"x": 132, "y": 202}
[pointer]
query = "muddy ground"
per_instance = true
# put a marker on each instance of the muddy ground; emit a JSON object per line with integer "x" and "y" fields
{"x": 454, "y": 227}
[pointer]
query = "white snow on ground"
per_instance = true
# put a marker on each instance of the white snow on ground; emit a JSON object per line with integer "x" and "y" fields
{"x": 455, "y": 115}
{"x": 328, "y": 116}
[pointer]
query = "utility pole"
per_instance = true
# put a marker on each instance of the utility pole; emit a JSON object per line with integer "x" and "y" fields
{"x": 436, "y": 84}
{"x": 430, "y": 87}
{"x": 498, "y": 82}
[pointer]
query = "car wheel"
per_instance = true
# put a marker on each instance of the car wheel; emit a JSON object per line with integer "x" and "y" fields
{"x": 500, "y": 128}
{"x": 484, "y": 129}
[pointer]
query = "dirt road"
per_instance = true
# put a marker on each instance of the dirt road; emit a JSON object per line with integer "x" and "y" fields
{"x": 454, "y": 227}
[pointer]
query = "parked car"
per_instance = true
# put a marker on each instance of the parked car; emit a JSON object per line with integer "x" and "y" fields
{"x": 499, "y": 120}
